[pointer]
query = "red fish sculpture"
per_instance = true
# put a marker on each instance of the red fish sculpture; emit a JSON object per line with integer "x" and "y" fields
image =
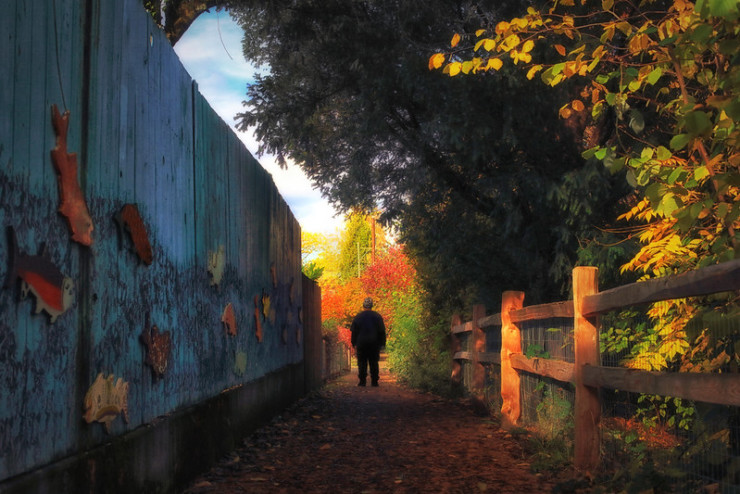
{"x": 229, "y": 320}
{"x": 73, "y": 205}
{"x": 53, "y": 290}
{"x": 257, "y": 319}
{"x": 158, "y": 346}
{"x": 129, "y": 219}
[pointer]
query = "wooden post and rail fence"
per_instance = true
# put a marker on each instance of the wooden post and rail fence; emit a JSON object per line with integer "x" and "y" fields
{"x": 586, "y": 373}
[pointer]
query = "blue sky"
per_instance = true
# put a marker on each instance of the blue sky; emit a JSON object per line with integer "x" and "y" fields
{"x": 211, "y": 52}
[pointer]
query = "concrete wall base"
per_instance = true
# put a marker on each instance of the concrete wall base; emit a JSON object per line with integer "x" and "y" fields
{"x": 166, "y": 455}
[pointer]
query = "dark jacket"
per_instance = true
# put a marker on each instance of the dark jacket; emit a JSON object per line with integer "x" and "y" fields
{"x": 368, "y": 330}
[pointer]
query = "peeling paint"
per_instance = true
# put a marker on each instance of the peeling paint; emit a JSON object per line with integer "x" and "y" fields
{"x": 229, "y": 320}
{"x": 130, "y": 220}
{"x": 158, "y": 347}
{"x": 216, "y": 264}
{"x": 104, "y": 401}
{"x": 73, "y": 205}
{"x": 54, "y": 292}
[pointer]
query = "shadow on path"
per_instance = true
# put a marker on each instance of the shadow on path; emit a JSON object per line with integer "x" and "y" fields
{"x": 345, "y": 438}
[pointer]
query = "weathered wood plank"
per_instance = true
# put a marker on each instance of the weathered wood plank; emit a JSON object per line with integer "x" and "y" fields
{"x": 543, "y": 311}
{"x": 465, "y": 327}
{"x": 478, "y": 345}
{"x": 713, "y": 279}
{"x": 488, "y": 321}
{"x": 555, "y": 369}
{"x": 490, "y": 358}
{"x": 720, "y": 389}
{"x": 455, "y": 349}
{"x": 461, "y": 355}
{"x": 587, "y": 443}
{"x": 511, "y": 343}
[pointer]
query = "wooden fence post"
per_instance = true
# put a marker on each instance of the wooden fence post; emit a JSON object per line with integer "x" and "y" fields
{"x": 511, "y": 342}
{"x": 456, "y": 374}
{"x": 588, "y": 406}
{"x": 478, "y": 345}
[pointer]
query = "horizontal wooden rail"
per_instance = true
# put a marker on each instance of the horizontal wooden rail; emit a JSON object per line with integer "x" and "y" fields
{"x": 483, "y": 357}
{"x": 543, "y": 311}
{"x": 488, "y": 321}
{"x": 555, "y": 369}
{"x": 712, "y": 279}
{"x": 490, "y": 357}
{"x": 465, "y": 327}
{"x": 721, "y": 389}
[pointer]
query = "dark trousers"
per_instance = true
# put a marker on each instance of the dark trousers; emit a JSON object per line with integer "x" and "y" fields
{"x": 365, "y": 356}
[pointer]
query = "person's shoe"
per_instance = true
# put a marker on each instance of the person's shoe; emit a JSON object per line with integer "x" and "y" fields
{"x": 361, "y": 383}
{"x": 374, "y": 384}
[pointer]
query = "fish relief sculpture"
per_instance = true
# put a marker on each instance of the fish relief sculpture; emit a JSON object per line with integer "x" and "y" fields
{"x": 158, "y": 346}
{"x": 268, "y": 311}
{"x": 105, "y": 400}
{"x": 273, "y": 275}
{"x": 53, "y": 291}
{"x": 73, "y": 205}
{"x": 229, "y": 320}
{"x": 257, "y": 319}
{"x": 130, "y": 220}
{"x": 216, "y": 263}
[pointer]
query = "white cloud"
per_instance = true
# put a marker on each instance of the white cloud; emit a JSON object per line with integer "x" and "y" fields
{"x": 211, "y": 52}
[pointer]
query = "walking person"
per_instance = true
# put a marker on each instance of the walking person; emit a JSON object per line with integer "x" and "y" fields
{"x": 368, "y": 337}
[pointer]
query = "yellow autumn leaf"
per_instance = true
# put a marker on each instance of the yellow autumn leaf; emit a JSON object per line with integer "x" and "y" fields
{"x": 502, "y": 27}
{"x": 560, "y": 49}
{"x": 510, "y": 42}
{"x": 454, "y": 68}
{"x": 466, "y": 67}
{"x": 520, "y": 23}
{"x": 565, "y": 112}
{"x": 532, "y": 71}
{"x": 489, "y": 44}
{"x": 494, "y": 63}
{"x": 436, "y": 61}
{"x": 577, "y": 105}
{"x": 518, "y": 56}
{"x": 527, "y": 46}
{"x": 599, "y": 52}
{"x": 479, "y": 32}
{"x": 455, "y": 40}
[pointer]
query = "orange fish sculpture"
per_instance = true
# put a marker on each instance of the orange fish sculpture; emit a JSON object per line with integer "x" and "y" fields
{"x": 229, "y": 320}
{"x": 53, "y": 291}
{"x": 105, "y": 400}
{"x": 130, "y": 220}
{"x": 257, "y": 319}
{"x": 73, "y": 205}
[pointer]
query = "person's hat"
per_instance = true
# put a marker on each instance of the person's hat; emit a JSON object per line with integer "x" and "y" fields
{"x": 367, "y": 303}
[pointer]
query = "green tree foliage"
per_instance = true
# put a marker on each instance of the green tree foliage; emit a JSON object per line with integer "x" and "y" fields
{"x": 356, "y": 245}
{"x": 478, "y": 174}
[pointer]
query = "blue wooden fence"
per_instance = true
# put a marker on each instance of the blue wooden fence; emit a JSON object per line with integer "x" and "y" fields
{"x": 144, "y": 135}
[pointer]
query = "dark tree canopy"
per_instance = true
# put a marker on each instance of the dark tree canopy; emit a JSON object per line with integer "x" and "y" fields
{"x": 478, "y": 172}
